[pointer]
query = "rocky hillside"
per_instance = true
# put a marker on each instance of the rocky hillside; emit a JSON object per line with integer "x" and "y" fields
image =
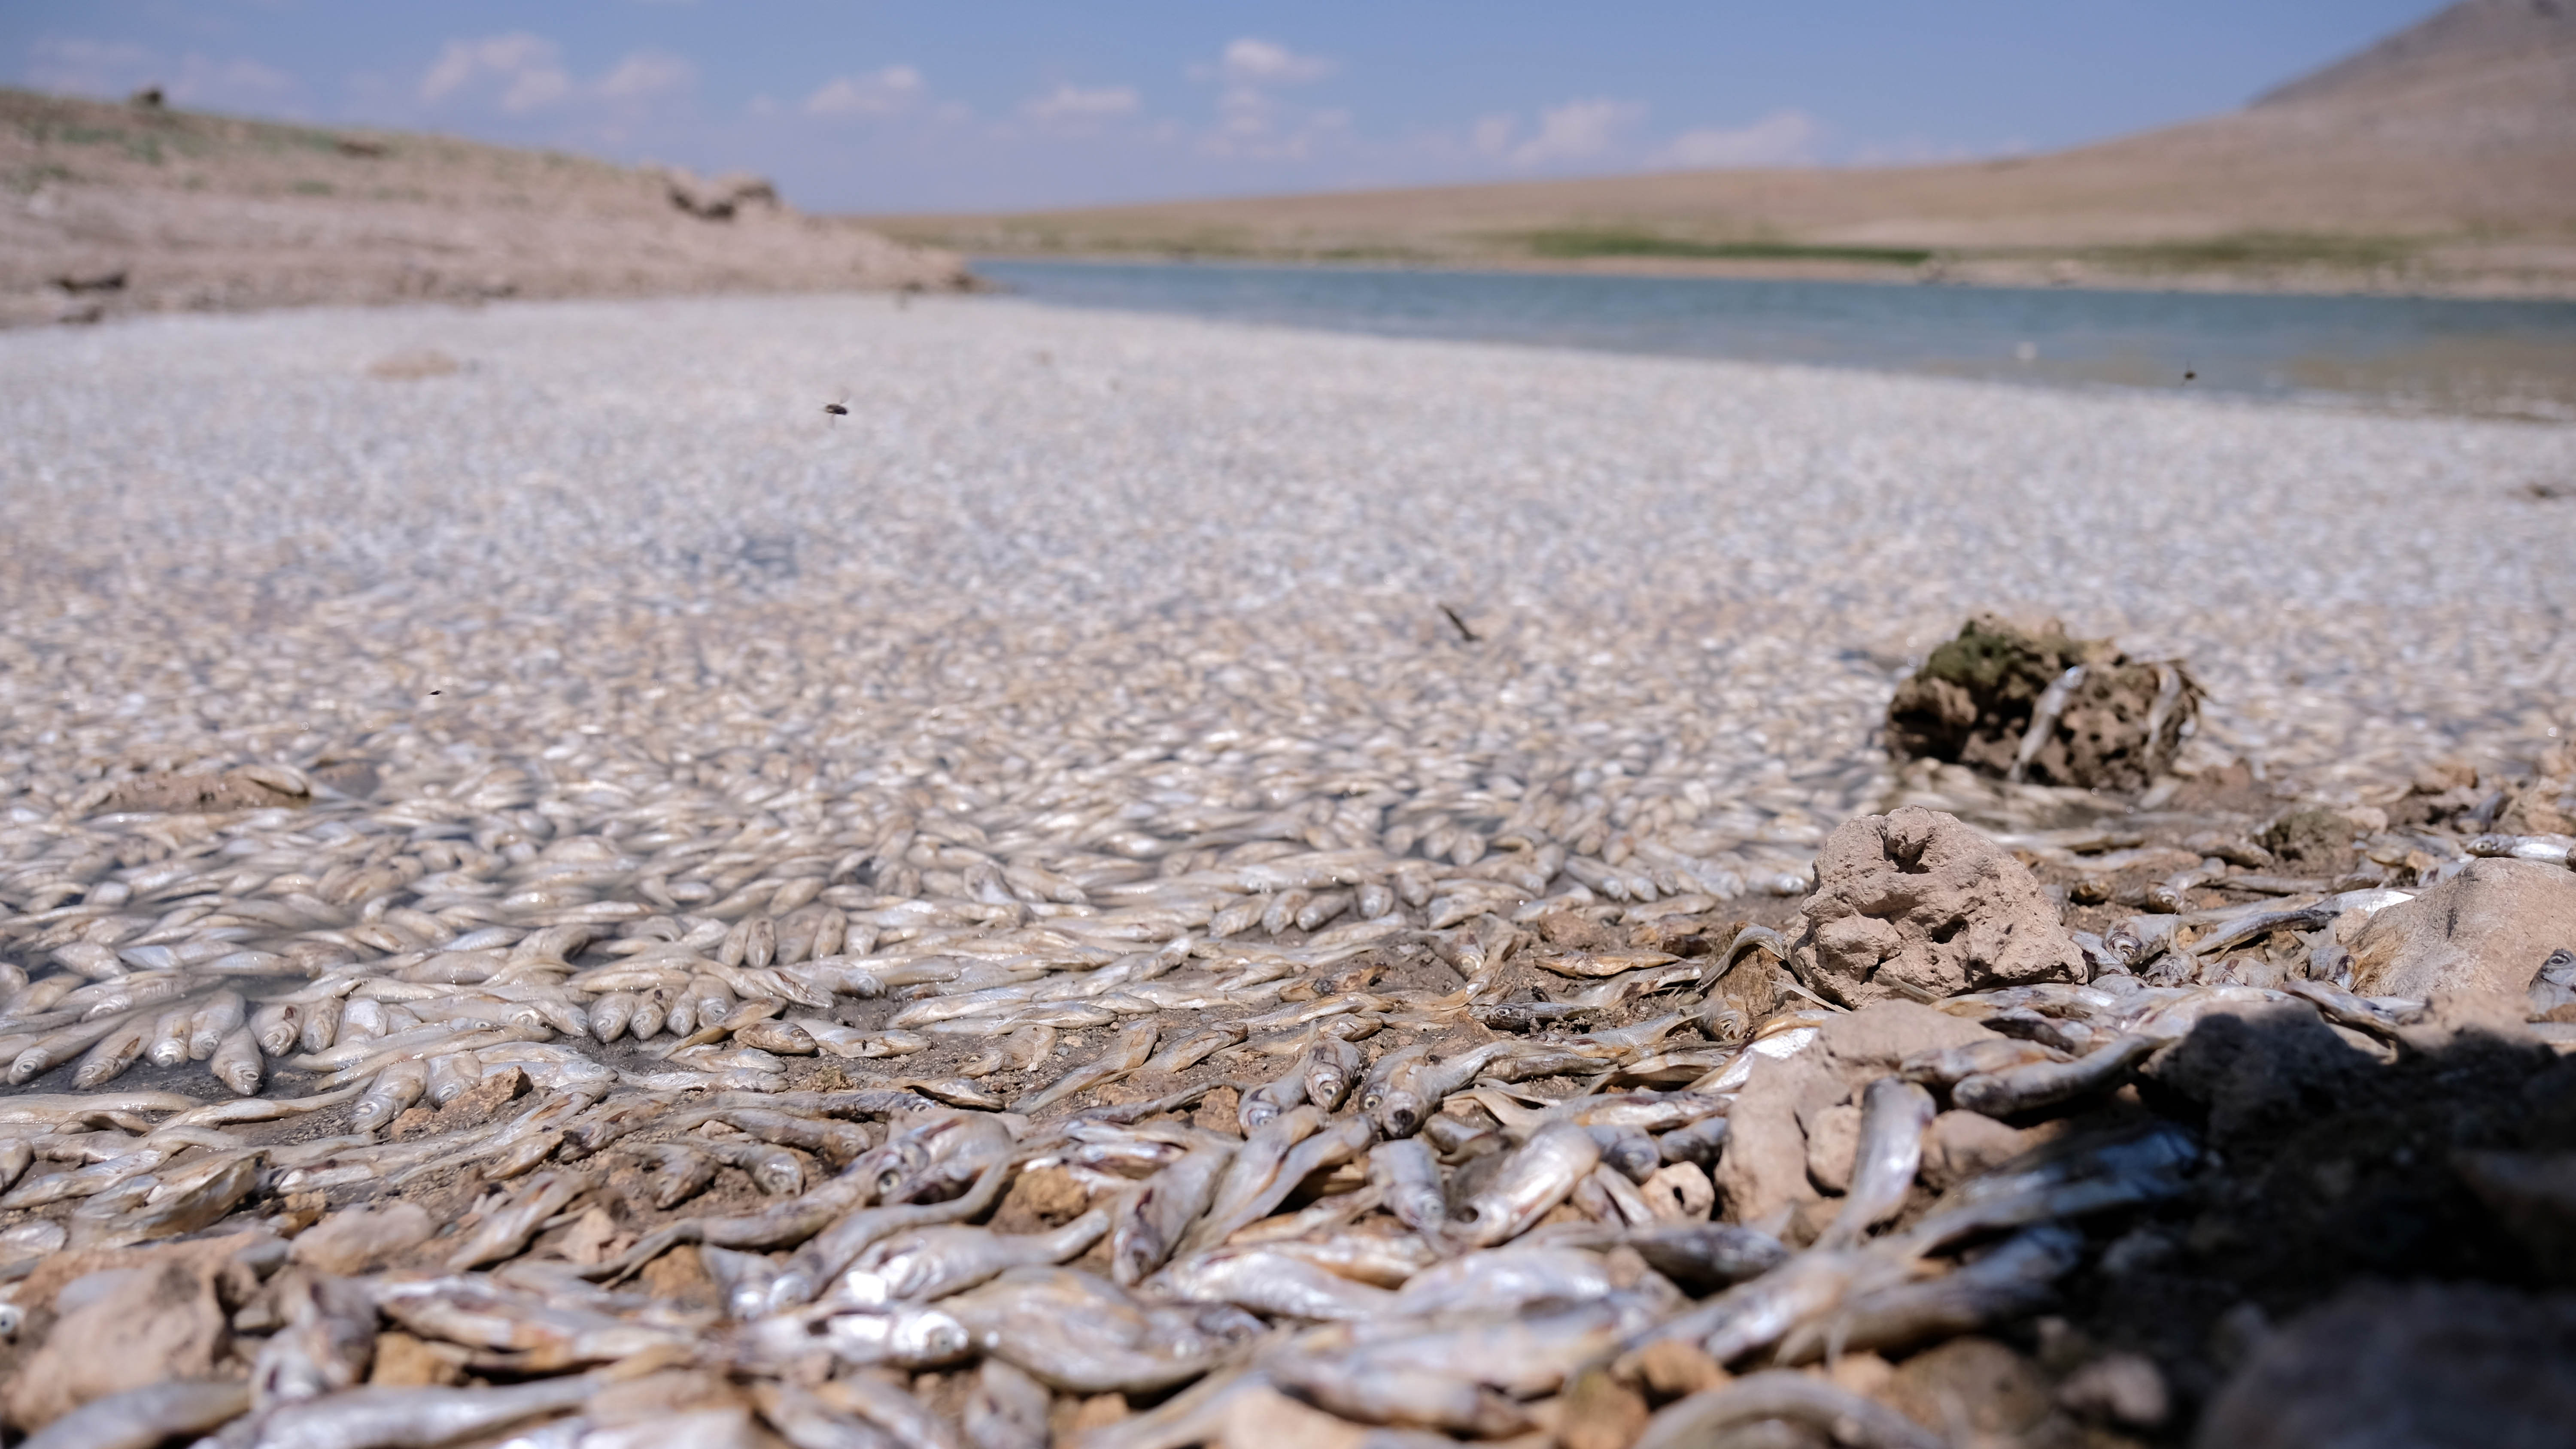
{"x": 108, "y": 208}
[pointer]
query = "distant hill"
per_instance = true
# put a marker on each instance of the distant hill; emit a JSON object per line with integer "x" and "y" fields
{"x": 2442, "y": 159}
{"x": 109, "y": 208}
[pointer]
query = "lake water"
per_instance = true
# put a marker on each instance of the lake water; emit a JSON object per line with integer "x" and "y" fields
{"x": 2413, "y": 354}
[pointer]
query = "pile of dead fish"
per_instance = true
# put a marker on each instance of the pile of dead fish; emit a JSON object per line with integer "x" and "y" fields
{"x": 1483, "y": 1161}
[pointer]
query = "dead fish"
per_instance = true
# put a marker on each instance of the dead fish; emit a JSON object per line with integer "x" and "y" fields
{"x": 2065, "y": 1179}
{"x": 1948, "y": 1065}
{"x": 141, "y": 1418}
{"x": 1125, "y": 1054}
{"x": 1331, "y": 1068}
{"x": 675, "y": 1173}
{"x": 1627, "y": 1150}
{"x": 2016, "y": 1277}
{"x": 1700, "y": 1142}
{"x": 935, "y": 1159}
{"x": 1535, "y": 1179}
{"x": 1400, "y": 1396}
{"x": 1270, "y": 1283}
{"x": 397, "y": 1087}
{"x": 774, "y": 1170}
{"x": 1894, "y": 1113}
{"x": 1007, "y": 1409}
{"x": 1704, "y": 1256}
{"x": 111, "y": 1054}
{"x": 1252, "y": 1172}
{"x": 326, "y": 1345}
{"x": 367, "y": 1418}
{"x": 1506, "y": 1280}
{"x": 217, "y": 1017}
{"x": 277, "y": 1025}
{"x": 1083, "y": 1335}
{"x": 2037, "y": 1084}
{"x": 507, "y": 1228}
{"x": 1785, "y": 1394}
{"x": 1263, "y": 1105}
{"x": 1151, "y": 1221}
{"x": 1408, "y": 1176}
{"x": 1188, "y": 1051}
{"x": 167, "y": 1040}
{"x": 1416, "y": 1087}
{"x": 931, "y": 1263}
{"x": 828, "y": 1253}
{"x": 449, "y": 1076}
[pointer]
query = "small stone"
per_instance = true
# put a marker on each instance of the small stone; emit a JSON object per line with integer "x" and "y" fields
{"x": 414, "y": 1120}
{"x": 1913, "y": 903}
{"x": 404, "y": 1362}
{"x": 2121, "y": 1388}
{"x": 1672, "y": 1369}
{"x": 487, "y": 1097}
{"x": 2485, "y": 931}
{"x": 1600, "y": 1412}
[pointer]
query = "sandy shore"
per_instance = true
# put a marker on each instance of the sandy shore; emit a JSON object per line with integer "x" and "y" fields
{"x": 1043, "y": 540}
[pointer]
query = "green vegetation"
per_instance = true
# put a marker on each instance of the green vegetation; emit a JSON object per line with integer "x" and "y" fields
{"x": 311, "y": 188}
{"x": 2257, "y": 249}
{"x": 1580, "y": 242}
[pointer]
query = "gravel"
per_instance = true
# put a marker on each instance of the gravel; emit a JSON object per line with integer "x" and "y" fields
{"x": 1086, "y": 563}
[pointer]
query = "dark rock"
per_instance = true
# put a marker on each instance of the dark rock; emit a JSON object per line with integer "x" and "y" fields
{"x": 1973, "y": 701}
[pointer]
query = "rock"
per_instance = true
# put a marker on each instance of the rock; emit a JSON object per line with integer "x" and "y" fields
{"x": 252, "y": 787}
{"x": 2485, "y": 931}
{"x": 2312, "y": 836}
{"x": 2547, "y": 805}
{"x": 405, "y": 1362}
{"x": 1959, "y": 1145}
{"x": 2533, "y": 1194}
{"x": 1833, "y": 1139}
{"x": 2120, "y": 1388}
{"x": 123, "y": 1328}
{"x": 1913, "y": 903}
{"x": 485, "y": 1099}
{"x": 361, "y": 1239}
{"x": 1977, "y": 1384}
{"x": 2384, "y": 1367}
{"x": 722, "y": 198}
{"x": 2119, "y": 726}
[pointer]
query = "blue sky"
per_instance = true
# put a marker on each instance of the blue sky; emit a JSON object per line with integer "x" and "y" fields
{"x": 1026, "y": 103}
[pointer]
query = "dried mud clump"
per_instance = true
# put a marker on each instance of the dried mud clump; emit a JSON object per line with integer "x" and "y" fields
{"x": 1913, "y": 903}
{"x": 2115, "y": 723}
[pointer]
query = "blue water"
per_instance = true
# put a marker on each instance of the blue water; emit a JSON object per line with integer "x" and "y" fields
{"x": 2493, "y": 357}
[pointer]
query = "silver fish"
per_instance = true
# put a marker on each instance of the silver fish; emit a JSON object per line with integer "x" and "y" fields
{"x": 1894, "y": 1114}
{"x": 1152, "y": 1220}
{"x": 1535, "y": 1179}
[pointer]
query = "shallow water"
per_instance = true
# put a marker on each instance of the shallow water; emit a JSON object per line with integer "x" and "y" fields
{"x": 2498, "y": 358}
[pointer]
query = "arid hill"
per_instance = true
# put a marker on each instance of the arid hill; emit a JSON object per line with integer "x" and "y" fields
{"x": 2442, "y": 159}
{"x": 110, "y": 208}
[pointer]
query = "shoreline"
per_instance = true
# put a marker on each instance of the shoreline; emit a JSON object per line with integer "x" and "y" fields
{"x": 1984, "y": 274}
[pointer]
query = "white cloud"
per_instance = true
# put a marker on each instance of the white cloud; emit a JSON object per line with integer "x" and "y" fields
{"x": 531, "y": 65}
{"x": 1577, "y": 131}
{"x": 647, "y": 74}
{"x": 1492, "y": 135}
{"x": 878, "y": 93}
{"x": 1252, "y": 61}
{"x": 116, "y": 68}
{"x": 1073, "y": 103}
{"x": 522, "y": 72}
{"x": 1782, "y": 138}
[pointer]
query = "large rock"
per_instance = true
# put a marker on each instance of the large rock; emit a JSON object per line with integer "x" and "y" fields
{"x": 127, "y": 1320}
{"x": 2483, "y": 932}
{"x": 1915, "y": 904}
{"x": 2117, "y": 724}
{"x": 2381, "y": 1368}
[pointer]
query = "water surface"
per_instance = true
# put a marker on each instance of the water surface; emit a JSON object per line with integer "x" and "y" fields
{"x": 2402, "y": 353}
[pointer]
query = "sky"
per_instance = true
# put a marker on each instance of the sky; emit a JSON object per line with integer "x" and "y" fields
{"x": 1020, "y": 104}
